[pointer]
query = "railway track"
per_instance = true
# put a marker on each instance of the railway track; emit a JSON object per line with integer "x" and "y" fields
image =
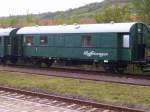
{"x": 59, "y": 101}
{"x": 139, "y": 79}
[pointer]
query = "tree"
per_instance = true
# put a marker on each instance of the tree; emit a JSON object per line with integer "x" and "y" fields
{"x": 29, "y": 18}
{"x": 87, "y": 20}
{"x": 142, "y": 9}
{"x": 12, "y": 21}
{"x": 74, "y": 18}
{"x": 46, "y": 22}
{"x": 59, "y": 19}
{"x": 114, "y": 13}
{"x": 2, "y": 22}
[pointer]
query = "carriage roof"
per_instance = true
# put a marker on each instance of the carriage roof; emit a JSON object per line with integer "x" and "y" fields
{"x": 5, "y": 31}
{"x": 78, "y": 28}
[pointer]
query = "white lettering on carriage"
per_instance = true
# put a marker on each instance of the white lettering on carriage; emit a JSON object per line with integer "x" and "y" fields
{"x": 93, "y": 53}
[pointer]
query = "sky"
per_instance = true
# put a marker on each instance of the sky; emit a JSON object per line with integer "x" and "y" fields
{"x": 20, "y": 7}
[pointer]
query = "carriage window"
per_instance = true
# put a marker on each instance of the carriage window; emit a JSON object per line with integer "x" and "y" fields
{"x": 29, "y": 40}
{"x": 43, "y": 40}
{"x": 126, "y": 41}
{"x": 86, "y": 41}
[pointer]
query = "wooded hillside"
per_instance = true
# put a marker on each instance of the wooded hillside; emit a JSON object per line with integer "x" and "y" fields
{"x": 103, "y": 12}
{"x": 90, "y": 13}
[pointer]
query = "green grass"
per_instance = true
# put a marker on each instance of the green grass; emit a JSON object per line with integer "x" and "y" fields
{"x": 99, "y": 91}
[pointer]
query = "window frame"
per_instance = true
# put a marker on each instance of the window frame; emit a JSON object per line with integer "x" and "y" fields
{"x": 86, "y": 41}
{"x": 46, "y": 40}
{"x": 126, "y": 41}
{"x": 25, "y": 40}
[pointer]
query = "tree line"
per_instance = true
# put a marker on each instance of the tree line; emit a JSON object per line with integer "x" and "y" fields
{"x": 137, "y": 10}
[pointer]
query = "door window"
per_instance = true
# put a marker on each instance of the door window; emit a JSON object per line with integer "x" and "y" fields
{"x": 126, "y": 41}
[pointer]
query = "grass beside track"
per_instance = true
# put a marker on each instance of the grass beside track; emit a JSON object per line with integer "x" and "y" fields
{"x": 99, "y": 91}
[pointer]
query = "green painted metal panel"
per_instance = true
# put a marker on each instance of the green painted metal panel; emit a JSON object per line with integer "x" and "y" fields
{"x": 125, "y": 54}
{"x": 36, "y": 40}
{"x": 70, "y": 47}
{"x": 72, "y": 40}
{"x": 58, "y": 40}
{"x": 104, "y": 40}
{"x": 80, "y": 53}
{"x": 50, "y": 40}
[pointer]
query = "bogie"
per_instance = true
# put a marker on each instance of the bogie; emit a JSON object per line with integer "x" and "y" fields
{"x": 115, "y": 67}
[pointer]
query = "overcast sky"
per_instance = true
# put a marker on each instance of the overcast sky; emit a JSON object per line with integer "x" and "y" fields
{"x": 18, "y": 7}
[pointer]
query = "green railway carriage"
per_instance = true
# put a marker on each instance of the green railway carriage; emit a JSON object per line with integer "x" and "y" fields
{"x": 9, "y": 45}
{"x": 114, "y": 44}
{"x": 5, "y": 43}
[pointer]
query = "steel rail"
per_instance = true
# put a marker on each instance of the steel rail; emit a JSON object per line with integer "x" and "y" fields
{"x": 76, "y": 70}
{"x": 83, "y": 74}
{"x": 71, "y": 100}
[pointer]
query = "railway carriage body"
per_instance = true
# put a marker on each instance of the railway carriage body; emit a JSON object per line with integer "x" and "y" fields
{"x": 5, "y": 43}
{"x": 114, "y": 44}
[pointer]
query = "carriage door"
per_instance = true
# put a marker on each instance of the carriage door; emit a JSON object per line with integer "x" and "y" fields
{"x": 141, "y": 42}
{"x": 1, "y": 46}
{"x": 16, "y": 43}
{"x": 6, "y": 45}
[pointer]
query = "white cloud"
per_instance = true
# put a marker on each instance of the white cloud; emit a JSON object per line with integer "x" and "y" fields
{"x": 17, "y": 7}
